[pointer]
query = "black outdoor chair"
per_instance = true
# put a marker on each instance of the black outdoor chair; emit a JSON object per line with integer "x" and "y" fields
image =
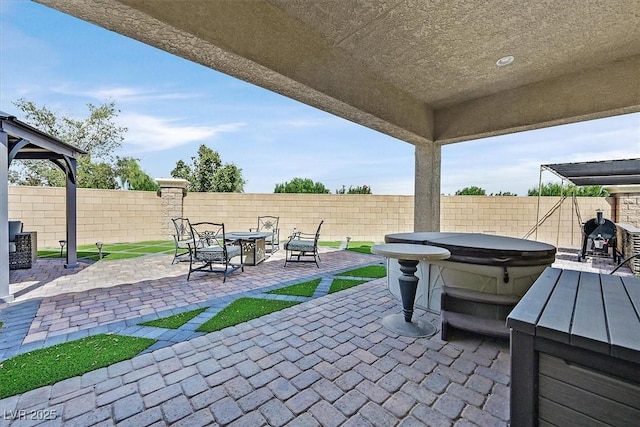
{"x": 182, "y": 238}
{"x": 269, "y": 224}
{"x": 301, "y": 246}
{"x": 212, "y": 248}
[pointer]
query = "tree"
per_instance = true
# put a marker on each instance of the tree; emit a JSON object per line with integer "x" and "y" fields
{"x": 471, "y": 191}
{"x": 301, "y": 185}
{"x": 207, "y": 173}
{"x": 504, "y": 193}
{"x": 96, "y": 175}
{"x": 365, "y": 189}
{"x": 132, "y": 177}
{"x": 228, "y": 179}
{"x": 555, "y": 189}
{"x": 97, "y": 134}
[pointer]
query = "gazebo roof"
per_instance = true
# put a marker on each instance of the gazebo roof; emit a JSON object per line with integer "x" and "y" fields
{"x": 34, "y": 144}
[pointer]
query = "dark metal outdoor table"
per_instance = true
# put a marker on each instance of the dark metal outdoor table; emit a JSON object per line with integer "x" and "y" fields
{"x": 409, "y": 256}
{"x": 253, "y": 245}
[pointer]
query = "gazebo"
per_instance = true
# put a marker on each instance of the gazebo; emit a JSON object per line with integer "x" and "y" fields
{"x": 19, "y": 140}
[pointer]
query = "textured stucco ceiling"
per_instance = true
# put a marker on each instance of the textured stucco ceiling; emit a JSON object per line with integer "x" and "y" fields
{"x": 418, "y": 70}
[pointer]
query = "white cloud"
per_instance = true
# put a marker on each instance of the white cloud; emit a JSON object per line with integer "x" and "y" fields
{"x": 122, "y": 94}
{"x": 147, "y": 133}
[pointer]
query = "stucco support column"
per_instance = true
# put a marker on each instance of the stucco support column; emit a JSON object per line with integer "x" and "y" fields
{"x": 172, "y": 191}
{"x": 5, "y": 296}
{"x": 426, "y": 215}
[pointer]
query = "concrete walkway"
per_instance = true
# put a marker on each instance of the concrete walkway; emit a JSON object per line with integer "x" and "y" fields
{"x": 326, "y": 362}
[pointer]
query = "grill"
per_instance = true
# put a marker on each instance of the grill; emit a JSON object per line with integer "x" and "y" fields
{"x": 598, "y": 236}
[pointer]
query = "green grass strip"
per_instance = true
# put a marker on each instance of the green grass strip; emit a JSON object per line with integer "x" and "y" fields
{"x": 113, "y": 251}
{"x": 304, "y": 289}
{"x": 49, "y": 365}
{"x": 242, "y": 310}
{"x": 1, "y": 324}
{"x": 175, "y": 321}
{"x": 374, "y": 271}
{"x": 338, "y": 285}
{"x": 362, "y": 247}
{"x": 332, "y": 244}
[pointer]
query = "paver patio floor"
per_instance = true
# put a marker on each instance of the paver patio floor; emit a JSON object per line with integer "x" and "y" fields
{"x": 327, "y": 361}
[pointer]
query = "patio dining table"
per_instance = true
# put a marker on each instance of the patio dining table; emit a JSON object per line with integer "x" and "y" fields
{"x": 253, "y": 245}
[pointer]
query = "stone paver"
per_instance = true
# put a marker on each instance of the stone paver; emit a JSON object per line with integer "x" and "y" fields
{"x": 326, "y": 361}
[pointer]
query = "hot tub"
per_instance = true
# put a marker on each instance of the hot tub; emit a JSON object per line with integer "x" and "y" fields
{"x": 480, "y": 283}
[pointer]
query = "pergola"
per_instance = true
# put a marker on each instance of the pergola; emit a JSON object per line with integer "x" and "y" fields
{"x": 18, "y": 140}
{"x": 619, "y": 172}
{"x": 605, "y": 172}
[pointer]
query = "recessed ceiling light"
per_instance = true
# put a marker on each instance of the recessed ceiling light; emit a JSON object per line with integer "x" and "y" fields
{"x": 505, "y": 60}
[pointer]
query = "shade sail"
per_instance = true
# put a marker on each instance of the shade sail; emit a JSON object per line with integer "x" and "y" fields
{"x": 606, "y": 172}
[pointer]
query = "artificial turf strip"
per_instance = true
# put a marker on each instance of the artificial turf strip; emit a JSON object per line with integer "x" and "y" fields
{"x": 114, "y": 251}
{"x": 362, "y": 247}
{"x": 49, "y": 365}
{"x": 242, "y": 310}
{"x": 338, "y": 285}
{"x": 175, "y": 321}
{"x": 304, "y": 289}
{"x": 374, "y": 271}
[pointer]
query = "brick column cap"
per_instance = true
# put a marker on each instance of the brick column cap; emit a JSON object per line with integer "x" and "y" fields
{"x": 615, "y": 189}
{"x": 172, "y": 182}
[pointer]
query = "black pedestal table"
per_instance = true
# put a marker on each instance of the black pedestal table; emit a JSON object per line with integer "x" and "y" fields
{"x": 408, "y": 256}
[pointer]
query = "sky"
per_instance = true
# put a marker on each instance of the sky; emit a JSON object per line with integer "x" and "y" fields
{"x": 171, "y": 106}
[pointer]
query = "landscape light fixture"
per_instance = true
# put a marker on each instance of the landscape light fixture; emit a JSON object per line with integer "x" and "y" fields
{"x": 62, "y": 243}
{"x": 99, "y": 246}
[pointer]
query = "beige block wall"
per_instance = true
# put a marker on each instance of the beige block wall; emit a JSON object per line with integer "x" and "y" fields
{"x": 359, "y": 216}
{"x": 109, "y": 216}
{"x": 516, "y": 216}
{"x": 115, "y": 216}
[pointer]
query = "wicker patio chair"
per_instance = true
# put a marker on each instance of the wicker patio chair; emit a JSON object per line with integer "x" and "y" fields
{"x": 302, "y": 245}
{"x": 212, "y": 248}
{"x": 269, "y": 224}
{"x": 20, "y": 254}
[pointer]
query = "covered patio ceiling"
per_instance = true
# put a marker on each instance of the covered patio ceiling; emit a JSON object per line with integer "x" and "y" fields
{"x": 421, "y": 71}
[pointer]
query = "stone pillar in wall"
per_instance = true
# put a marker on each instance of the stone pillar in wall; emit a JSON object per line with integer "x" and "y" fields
{"x": 626, "y": 208}
{"x": 172, "y": 191}
{"x": 626, "y": 204}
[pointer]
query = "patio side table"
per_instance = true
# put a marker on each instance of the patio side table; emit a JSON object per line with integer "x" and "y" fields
{"x": 408, "y": 256}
